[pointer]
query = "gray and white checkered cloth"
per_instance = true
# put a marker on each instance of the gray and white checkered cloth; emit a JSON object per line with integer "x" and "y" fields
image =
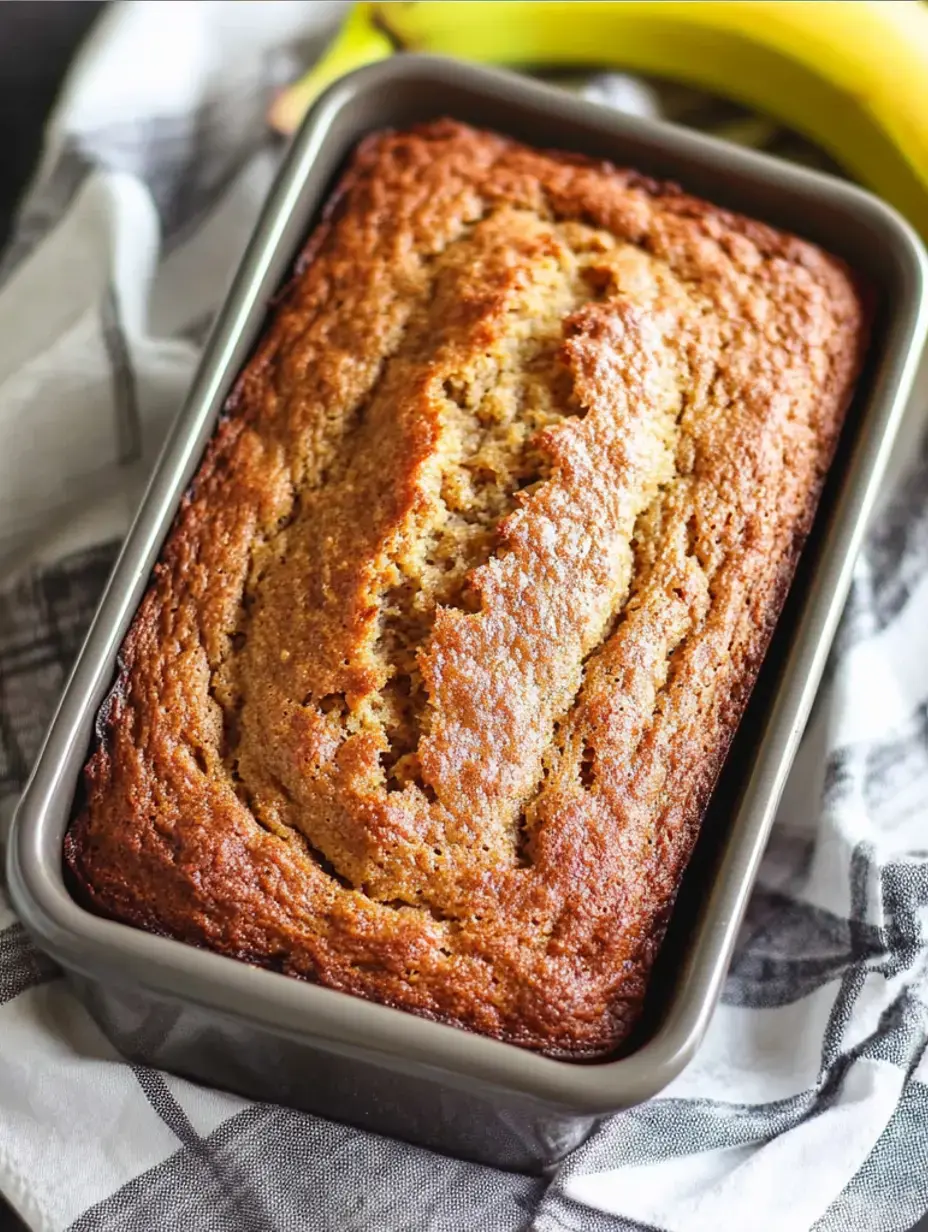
{"x": 808, "y": 1105}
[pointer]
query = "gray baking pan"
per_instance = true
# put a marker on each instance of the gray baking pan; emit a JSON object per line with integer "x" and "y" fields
{"x": 271, "y": 1037}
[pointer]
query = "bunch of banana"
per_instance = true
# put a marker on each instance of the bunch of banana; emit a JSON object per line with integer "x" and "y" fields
{"x": 850, "y": 75}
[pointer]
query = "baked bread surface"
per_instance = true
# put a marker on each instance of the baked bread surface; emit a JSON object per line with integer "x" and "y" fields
{"x": 444, "y": 653}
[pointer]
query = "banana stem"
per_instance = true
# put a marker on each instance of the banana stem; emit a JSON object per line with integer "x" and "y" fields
{"x": 361, "y": 40}
{"x": 847, "y": 76}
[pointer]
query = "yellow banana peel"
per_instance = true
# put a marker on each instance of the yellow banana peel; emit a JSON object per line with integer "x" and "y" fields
{"x": 850, "y": 75}
{"x": 359, "y": 41}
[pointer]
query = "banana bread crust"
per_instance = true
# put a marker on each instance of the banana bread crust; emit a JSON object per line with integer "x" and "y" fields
{"x": 444, "y": 653}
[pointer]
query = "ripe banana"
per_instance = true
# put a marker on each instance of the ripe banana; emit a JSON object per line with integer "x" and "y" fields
{"x": 850, "y": 75}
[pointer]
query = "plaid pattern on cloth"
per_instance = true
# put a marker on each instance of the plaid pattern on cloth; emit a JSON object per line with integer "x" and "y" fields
{"x": 807, "y": 1108}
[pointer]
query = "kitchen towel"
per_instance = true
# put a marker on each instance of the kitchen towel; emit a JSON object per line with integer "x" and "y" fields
{"x": 808, "y": 1105}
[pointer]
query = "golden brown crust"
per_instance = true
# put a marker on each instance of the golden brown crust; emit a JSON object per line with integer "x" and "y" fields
{"x": 447, "y": 646}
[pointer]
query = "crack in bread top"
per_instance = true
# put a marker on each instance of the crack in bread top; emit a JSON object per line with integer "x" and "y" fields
{"x": 447, "y": 645}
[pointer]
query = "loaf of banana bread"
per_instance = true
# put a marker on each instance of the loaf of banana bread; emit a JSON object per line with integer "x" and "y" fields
{"x": 443, "y": 655}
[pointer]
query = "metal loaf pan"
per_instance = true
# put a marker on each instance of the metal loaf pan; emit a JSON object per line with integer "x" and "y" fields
{"x": 275, "y": 1038}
